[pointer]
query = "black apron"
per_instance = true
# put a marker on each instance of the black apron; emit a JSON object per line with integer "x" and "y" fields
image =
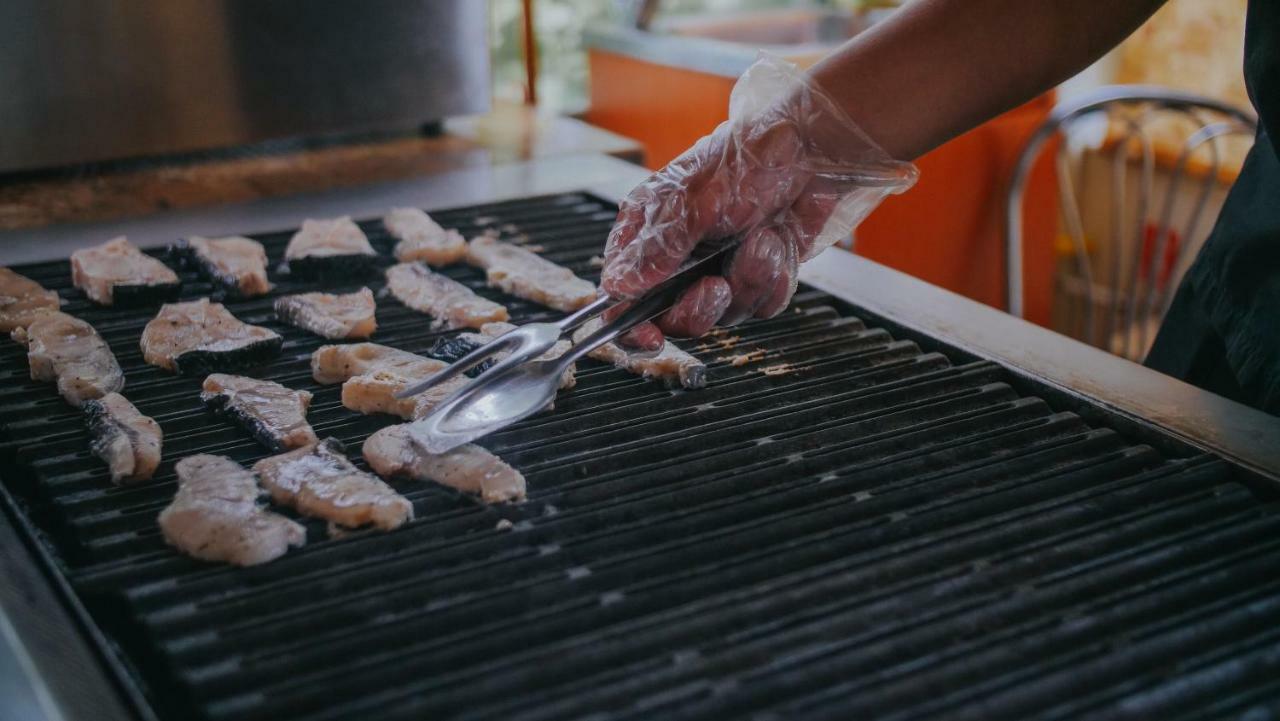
{"x": 1222, "y": 332}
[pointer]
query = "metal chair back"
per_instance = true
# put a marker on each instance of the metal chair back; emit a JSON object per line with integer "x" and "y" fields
{"x": 1122, "y": 308}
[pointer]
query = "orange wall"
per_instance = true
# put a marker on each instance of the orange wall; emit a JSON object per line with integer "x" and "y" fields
{"x": 947, "y": 230}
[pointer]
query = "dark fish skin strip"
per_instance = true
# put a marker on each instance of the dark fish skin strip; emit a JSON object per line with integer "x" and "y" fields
{"x": 332, "y": 267}
{"x": 134, "y": 295}
{"x": 260, "y": 431}
{"x": 202, "y": 362}
{"x": 451, "y": 349}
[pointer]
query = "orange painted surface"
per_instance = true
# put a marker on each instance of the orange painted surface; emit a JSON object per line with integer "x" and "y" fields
{"x": 947, "y": 230}
{"x": 665, "y": 108}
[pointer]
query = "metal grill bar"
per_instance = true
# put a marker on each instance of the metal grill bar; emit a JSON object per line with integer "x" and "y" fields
{"x": 875, "y": 532}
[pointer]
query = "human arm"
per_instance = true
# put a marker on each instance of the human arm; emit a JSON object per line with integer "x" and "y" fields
{"x": 932, "y": 70}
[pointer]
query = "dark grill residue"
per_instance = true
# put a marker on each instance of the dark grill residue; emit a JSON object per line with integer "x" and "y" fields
{"x": 871, "y": 531}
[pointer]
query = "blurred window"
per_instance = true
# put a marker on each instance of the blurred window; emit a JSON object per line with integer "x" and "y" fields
{"x": 562, "y": 60}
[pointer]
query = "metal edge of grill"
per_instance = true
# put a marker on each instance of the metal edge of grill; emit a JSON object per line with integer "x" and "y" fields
{"x": 1023, "y": 384}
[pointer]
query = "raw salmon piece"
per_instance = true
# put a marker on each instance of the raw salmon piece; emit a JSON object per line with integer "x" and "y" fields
{"x": 65, "y": 350}
{"x": 336, "y": 317}
{"x": 391, "y": 453}
{"x": 320, "y": 482}
{"x": 422, "y": 238}
{"x": 525, "y": 274}
{"x": 127, "y": 441}
{"x": 215, "y": 516}
{"x": 116, "y": 273}
{"x": 274, "y": 414}
{"x": 450, "y": 303}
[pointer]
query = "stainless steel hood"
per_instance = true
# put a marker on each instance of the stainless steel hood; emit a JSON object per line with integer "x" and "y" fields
{"x": 85, "y": 81}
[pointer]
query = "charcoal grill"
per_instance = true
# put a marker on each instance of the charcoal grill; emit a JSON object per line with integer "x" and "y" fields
{"x": 864, "y": 521}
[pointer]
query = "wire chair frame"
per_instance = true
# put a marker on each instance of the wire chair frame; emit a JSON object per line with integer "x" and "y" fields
{"x": 1137, "y": 295}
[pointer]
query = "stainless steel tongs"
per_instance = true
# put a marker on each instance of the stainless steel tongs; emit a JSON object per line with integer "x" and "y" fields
{"x": 520, "y": 384}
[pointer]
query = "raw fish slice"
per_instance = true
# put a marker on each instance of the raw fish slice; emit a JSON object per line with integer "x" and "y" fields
{"x": 349, "y": 315}
{"x": 116, "y": 273}
{"x": 371, "y": 375}
{"x": 391, "y": 453}
{"x": 67, "y": 351}
{"x": 22, "y": 299}
{"x": 201, "y": 337}
{"x": 274, "y": 414}
{"x": 320, "y": 482}
{"x": 127, "y": 441}
{"x": 335, "y": 248}
{"x": 215, "y": 515}
{"x": 374, "y": 392}
{"x": 235, "y": 263}
{"x": 422, "y": 238}
{"x": 450, "y": 303}
{"x": 336, "y": 363}
{"x": 525, "y": 274}
{"x": 671, "y": 364}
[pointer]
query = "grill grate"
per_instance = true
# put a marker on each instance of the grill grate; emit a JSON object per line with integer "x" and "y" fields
{"x": 873, "y": 532}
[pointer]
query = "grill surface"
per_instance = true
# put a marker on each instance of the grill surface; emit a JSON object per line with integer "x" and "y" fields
{"x": 876, "y": 532}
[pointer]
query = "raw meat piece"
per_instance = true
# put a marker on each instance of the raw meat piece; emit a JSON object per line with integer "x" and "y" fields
{"x": 337, "y": 317}
{"x": 22, "y": 299}
{"x": 527, "y": 275}
{"x": 215, "y": 515}
{"x": 235, "y": 263}
{"x": 201, "y": 337}
{"x": 450, "y": 303}
{"x": 670, "y": 364}
{"x": 116, "y": 273}
{"x": 329, "y": 249}
{"x": 274, "y": 414}
{"x": 391, "y": 453}
{"x": 421, "y": 238}
{"x": 67, "y": 351}
{"x": 127, "y": 441}
{"x": 320, "y": 482}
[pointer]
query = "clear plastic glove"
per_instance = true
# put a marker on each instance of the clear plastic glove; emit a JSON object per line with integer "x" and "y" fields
{"x": 788, "y": 174}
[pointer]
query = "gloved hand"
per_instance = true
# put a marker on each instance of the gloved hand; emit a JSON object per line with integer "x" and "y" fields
{"x": 789, "y": 174}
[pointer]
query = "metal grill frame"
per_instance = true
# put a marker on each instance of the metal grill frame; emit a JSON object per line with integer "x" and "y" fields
{"x": 66, "y": 636}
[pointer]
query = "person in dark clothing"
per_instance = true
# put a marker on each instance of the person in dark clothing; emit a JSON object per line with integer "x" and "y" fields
{"x": 805, "y": 156}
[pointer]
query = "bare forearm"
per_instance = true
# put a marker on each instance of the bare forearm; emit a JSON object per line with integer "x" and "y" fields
{"x": 937, "y": 68}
